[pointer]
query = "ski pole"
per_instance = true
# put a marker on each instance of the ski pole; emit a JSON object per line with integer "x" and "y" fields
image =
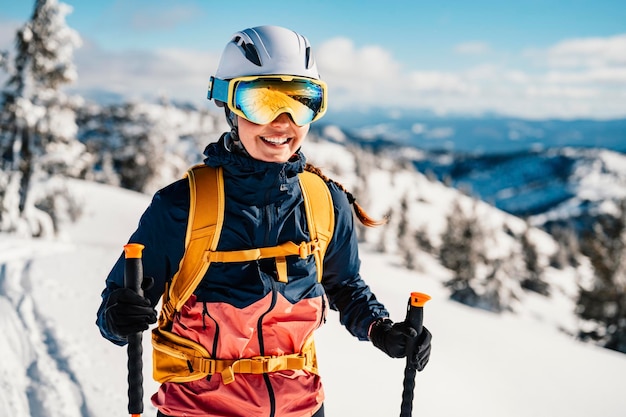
{"x": 414, "y": 316}
{"x": 133, "y": 277}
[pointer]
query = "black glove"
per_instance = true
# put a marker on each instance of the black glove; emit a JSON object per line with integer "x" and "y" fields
{"x": 128, "y": 312}
{"x": 392, "y": 338}
{"x": 421, "y": 354}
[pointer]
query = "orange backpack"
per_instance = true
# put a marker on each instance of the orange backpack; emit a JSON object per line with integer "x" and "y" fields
{"x": 178, "y": 359}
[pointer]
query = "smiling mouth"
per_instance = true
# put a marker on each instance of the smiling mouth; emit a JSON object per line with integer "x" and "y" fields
{"x": 275, "y": 141}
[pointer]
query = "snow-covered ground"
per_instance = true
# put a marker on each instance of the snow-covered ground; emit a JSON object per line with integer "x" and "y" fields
{"x": 55, "y": 363}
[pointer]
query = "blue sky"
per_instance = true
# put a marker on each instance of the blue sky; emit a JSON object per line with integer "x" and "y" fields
{"x": 528, "y": 58}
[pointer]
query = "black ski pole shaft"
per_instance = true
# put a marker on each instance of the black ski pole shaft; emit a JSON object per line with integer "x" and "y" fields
{"x": 414, "y": 316}
{"x": 133, "y": 277}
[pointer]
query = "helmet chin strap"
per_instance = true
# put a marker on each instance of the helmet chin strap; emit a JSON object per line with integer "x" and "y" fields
{"x": 233, "y": 143}
{"x": 231, "y": 118}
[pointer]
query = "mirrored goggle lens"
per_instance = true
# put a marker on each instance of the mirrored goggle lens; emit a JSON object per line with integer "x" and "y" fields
{"x": 262, "y": 100}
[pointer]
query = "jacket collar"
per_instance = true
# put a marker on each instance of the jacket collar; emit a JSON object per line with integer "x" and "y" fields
{"x": 257, "y": 178}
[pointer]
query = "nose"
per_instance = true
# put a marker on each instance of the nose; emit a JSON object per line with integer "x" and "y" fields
{"x": 283, "y": 118}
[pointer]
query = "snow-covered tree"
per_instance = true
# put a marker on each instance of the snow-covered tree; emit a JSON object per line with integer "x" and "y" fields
{"x": 533, "y": 279}
{"x": 4, "y": 60}
{"x": 38, "y": 143}
{"x": 363, "y": 168}
{"x": 603, "y": 302}
{"x": 142, "y": 146}
{"x": 407, "y": 242}
{"x": 485, "y": 275}
{"x": 568, "y": 249}
{"x": 461, "y": 251}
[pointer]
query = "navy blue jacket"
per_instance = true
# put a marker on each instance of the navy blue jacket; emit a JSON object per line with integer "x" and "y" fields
{"x": 263, "y": 207}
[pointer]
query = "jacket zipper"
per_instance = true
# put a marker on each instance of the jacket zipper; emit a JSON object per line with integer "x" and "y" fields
{"x": 205, "y": 313}
{"x": 266, "y": 377}
{"x": 272, "y": 210}
{"x": 323, "y": 312}
{"x": 271, "y": 215}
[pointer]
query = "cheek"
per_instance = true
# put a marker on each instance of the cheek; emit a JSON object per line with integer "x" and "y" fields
{"x": 244, "y": 123}
{"x": 246, "y": 130}
{"x": 302, "y": 132}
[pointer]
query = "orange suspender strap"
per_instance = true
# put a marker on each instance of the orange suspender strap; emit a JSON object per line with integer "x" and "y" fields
{"x": 320, "y": 215}
{"x": 203, "y": 233}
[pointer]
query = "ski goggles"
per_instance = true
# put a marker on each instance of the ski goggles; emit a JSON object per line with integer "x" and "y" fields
{"x": 260, "y": 99}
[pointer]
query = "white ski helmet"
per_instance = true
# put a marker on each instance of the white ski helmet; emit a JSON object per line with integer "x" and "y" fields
{"x": 262, "y": 51}
{"x": 267, "y": 50}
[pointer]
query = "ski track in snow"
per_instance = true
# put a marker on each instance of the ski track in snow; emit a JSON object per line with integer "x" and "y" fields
{"x": 51, "y": 387}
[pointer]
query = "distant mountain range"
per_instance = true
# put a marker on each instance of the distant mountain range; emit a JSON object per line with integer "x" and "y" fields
{"x": 491, "y": 134}
{"x": 558, "y": 184}
{"x": 551, "y": 170}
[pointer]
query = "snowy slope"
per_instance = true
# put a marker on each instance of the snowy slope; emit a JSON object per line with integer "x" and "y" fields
{"x": 428, "y": 203}
{"x": 54, "y": 362}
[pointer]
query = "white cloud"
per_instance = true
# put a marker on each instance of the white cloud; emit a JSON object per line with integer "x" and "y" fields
{"x": 178, "y": 74}
{"x": 152, "y": 19}
{"x": 372, "y": 76}
{"x": 536, "y": 85}
{"x": 596, "y": 75}
{"x": 367, "y": 75}
{"x": 339, "y": 56}
{"x": 578, "y": 78}
{"x": 573, "y": 78}
{"x": 516, "y": 76}
{"x": 440, "y": 82}
{"x": 556, "y": 91}
{"x": 588, "y": 52}
{"x": 472, "y": 48}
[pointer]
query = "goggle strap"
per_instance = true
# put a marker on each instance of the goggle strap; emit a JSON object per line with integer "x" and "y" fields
{"x": 218, "y": 90}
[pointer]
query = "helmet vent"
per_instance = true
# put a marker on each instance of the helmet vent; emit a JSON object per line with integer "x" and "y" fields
{"x": 249, "y": 50}
{"x": 308, "y": 58}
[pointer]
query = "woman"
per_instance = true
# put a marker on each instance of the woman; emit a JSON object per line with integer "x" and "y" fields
{"x": 268, "y": 84}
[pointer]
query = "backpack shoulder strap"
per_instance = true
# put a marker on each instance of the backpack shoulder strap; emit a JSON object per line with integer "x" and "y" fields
{"x": 320, "y": 214}
{"x": 206, "y": 190}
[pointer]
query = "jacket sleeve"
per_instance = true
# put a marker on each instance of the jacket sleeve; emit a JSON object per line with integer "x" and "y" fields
{"x": 346, "y": 290}
{"x": 162, "y": 229}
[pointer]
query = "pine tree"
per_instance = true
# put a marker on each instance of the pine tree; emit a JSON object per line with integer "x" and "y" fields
{"x": 404, "y": 222}
{"x": 406, "y": 244}
{"x": 423, "y": 240}
{"x": 363, "y": 168}
{"x": 568, "y": 248}
{"x": 4, "y": 60}
{"x": 533, "y": 280}
{"x": 604, "y": 302}
{"x": 37, "y": 125}
{"x": 142, "y": 146}
{"x": 460, "y": 251}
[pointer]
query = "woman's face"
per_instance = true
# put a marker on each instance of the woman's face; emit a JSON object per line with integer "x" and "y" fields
{"x": 276, "y": 141}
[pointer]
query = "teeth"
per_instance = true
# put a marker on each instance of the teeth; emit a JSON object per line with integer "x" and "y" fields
{"x": 276, "y": 141}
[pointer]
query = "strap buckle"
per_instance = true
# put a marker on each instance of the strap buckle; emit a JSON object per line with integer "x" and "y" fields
{"x": 306, "y": 249}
